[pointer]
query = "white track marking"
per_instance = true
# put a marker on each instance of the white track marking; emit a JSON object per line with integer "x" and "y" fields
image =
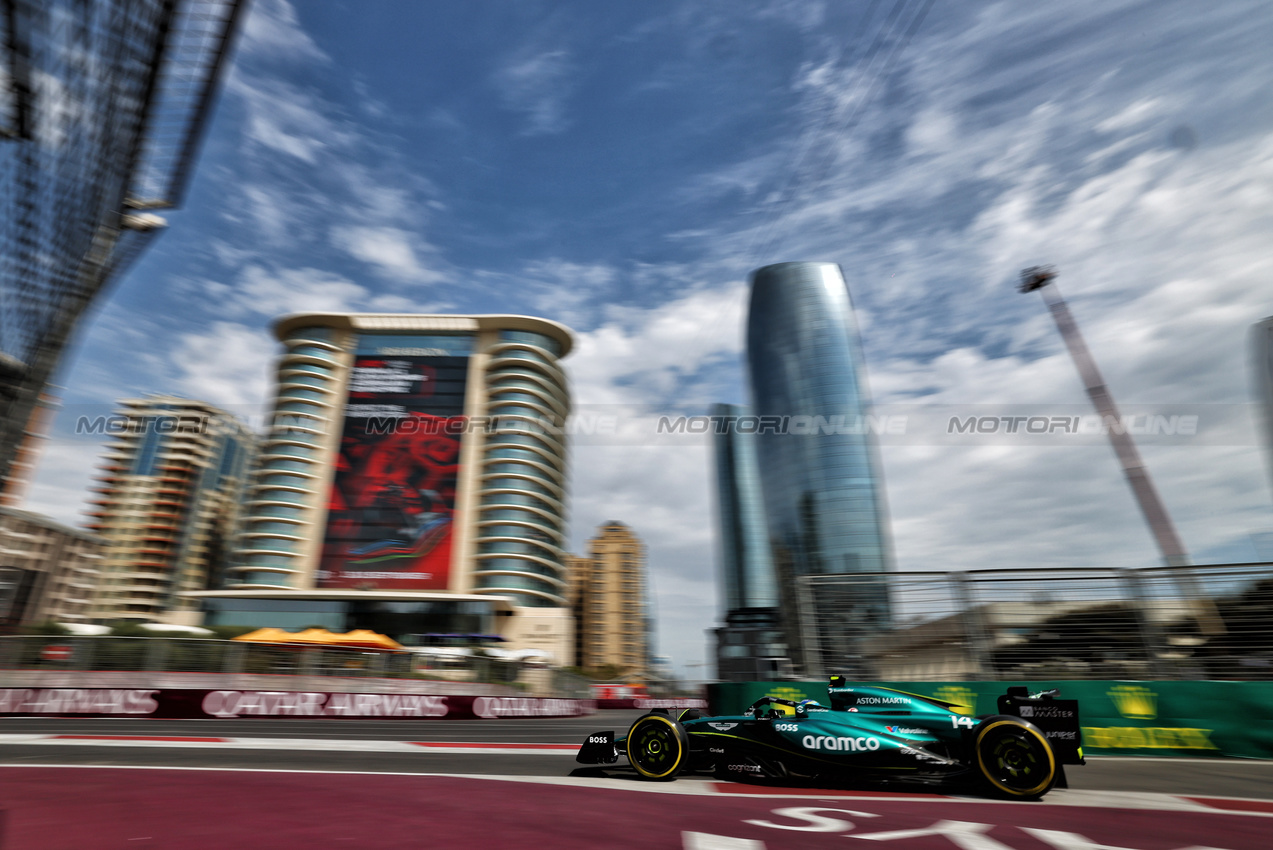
{"x": 305, "y": 744}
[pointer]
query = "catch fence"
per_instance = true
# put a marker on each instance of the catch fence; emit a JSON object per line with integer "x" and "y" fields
{"x": 1211, "y": 622}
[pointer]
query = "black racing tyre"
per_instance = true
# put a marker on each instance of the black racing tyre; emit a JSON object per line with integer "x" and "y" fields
{"x": 1014, "y": 758}
{"x": 657, "y": 747}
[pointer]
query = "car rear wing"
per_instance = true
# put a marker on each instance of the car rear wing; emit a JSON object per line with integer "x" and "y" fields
{"x": 1058, "y": 719}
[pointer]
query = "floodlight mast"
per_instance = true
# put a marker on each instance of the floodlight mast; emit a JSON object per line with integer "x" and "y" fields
{"x": 1173, "y": 551}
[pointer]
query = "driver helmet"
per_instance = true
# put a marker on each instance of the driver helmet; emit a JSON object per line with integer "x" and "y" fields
{"x": 802, "y": 707}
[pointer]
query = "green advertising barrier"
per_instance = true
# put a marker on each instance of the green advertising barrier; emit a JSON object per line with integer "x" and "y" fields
{"x": 1118, "y": 718}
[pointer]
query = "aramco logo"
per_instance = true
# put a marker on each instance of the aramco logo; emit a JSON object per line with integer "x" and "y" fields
{"x": 964, "y": 699}
{"x": 1134, "y": 702}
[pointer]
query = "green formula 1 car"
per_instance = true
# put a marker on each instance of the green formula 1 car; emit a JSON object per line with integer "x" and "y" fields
{"x": 865, "y": 734}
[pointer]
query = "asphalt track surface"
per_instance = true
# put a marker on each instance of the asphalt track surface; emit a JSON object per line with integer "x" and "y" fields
{"x": 284, "y": 782}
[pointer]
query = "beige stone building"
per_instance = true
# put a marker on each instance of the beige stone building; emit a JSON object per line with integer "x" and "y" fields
{"x": 168, "y": 504}
{"x": 47, "y": 570}
{"x": 608, "y": 601}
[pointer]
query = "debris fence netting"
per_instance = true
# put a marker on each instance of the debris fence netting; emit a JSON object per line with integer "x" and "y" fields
{"x": 1171, "y": 623}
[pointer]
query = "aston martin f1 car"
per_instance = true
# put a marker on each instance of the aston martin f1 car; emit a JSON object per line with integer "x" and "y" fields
{"x": 866, "y": 734}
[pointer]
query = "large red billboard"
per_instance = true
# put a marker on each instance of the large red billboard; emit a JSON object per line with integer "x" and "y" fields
{"x": 389, "y": 521}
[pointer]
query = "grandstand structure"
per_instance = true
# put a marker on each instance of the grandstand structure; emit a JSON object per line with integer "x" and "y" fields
{"x": 102, "y": 107}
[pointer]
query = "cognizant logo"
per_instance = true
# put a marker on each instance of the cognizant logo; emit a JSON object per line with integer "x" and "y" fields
{"x": 839, "y": 745}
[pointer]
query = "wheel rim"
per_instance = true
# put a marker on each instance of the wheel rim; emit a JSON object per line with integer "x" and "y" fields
{"x": 1015, "y": 759}
{"x": 654, "y": 748}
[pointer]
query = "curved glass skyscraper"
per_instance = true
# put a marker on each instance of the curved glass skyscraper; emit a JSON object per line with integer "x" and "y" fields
{"x": 823, "y": 491}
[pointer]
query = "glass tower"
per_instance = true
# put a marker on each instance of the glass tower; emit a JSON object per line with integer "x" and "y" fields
{"x": 750, "y": 646}
{"x": 747, "y": 570}
{"x": 1262, "y": 378}
{"x": 823, "y": 492}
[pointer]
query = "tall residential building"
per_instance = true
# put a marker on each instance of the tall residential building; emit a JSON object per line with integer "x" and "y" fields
{"x": 48, "y": 571}
{"x": 751, "y": 645}
{"x": 413, "y": 481}
{"x": 608, "y": 595}
{"x": 823, "y": 490}
{"x": 168, "y": 505}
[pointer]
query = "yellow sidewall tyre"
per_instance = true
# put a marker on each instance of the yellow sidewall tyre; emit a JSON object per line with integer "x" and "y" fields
{"x": 1013, "y": 758}
{"x": 657, "y": 747}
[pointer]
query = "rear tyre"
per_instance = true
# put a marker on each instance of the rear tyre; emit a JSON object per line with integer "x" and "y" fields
{"x": 1013, "y": 758}
{"x": 657, "y": 746}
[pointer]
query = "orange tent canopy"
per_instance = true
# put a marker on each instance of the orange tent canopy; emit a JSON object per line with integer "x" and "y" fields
{"x": 267, "y": 636}
{"x": 322, "y": 637}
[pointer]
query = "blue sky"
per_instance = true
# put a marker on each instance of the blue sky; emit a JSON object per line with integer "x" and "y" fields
{"x": 622, "y": 167}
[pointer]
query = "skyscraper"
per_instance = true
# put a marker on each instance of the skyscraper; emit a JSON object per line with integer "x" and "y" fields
{"x": 104, "y": 104}
{"x": 750, "y": 646}
{"x": 413, "y": 481}
{"x": 168, "y": 505}
{"x": 823, "y": 491}
{"x": 609, "y": 597}
{"x": 1262, "y": 378}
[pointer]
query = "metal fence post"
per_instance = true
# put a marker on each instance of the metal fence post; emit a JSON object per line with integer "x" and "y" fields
{"x": 156, "y": 653}
{"x": 84, "y": 653}
{"x": 1150, "y": 635}
{"x": 309, "y": 658}
{"x": 232, "y": 662}
{"x": 975, "y": 636}
{"x": 806, "y": 617}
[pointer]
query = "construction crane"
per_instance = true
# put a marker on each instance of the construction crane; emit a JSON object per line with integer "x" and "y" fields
{"x": 1040, "y": 279}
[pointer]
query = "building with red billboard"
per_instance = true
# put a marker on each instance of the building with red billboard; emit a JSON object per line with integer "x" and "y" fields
{"x": 412, "y": 481}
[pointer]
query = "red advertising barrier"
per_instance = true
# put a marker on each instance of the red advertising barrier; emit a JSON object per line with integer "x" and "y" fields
{"x": 189, "y": 703}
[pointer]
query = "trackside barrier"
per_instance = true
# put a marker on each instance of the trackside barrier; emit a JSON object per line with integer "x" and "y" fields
{"x": 652, "y": 702}
{"x": 1146, "y": 718}
{"x": 192, "y": 703}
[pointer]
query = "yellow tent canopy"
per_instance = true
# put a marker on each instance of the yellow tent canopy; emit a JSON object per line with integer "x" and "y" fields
{"x": 322, "y": 637}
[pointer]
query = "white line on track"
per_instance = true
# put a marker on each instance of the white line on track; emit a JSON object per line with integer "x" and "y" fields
{"x": 307, "y": 744}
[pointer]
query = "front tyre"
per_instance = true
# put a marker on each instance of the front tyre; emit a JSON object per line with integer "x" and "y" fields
{"x": 1014, "y": 758}
{"x": 657, "y": 746}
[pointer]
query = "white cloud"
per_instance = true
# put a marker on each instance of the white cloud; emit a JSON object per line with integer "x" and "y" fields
{"x": 286, "y": 119}
{"x": 270, "y": 292}
{"x": 567, "y": 292}
{"x": 536, "y": 83}
{"x": 229, "y": 365}
{"x": 273, "y": 31}
{"x": 391, "y": 250}
{"x": 65, "y": 469}
{"x": 643, "y": 356}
